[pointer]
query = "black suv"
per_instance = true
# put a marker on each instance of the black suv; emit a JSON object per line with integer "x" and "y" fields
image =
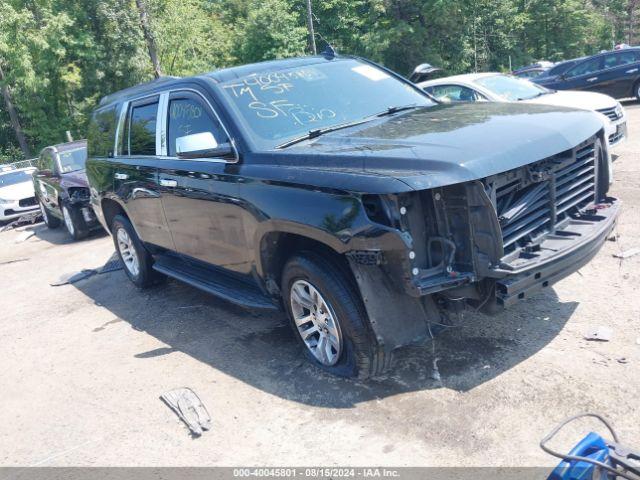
{"x": 335, "y": 189}
{"x": 614, "y": 73}
{"x": 62, "y": 190}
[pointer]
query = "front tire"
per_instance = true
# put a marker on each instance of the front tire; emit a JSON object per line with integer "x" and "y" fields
{"x": 136, "y": 259}
{"x": 327, "y": 316}
{"x": 74, "y": 221}
{"x": 49, "y": 220}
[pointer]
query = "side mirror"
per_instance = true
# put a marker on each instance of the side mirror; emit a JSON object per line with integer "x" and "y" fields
{"x": 202, "y": 145}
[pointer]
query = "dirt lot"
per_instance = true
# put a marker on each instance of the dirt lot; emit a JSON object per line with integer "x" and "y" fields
{"x": 83, "y": 366}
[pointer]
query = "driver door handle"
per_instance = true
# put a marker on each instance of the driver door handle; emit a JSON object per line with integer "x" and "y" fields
{"x": 592, "y": 79}
{"x": 165, "y": 182}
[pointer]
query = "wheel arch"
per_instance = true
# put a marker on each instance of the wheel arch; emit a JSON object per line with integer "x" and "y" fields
{"x": 110, "y": 208}
{"x": 275, "y": 247}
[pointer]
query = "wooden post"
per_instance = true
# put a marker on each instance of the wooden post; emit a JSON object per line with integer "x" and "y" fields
{"x": 13, "y": 116}
{"x": 150, "y": 39}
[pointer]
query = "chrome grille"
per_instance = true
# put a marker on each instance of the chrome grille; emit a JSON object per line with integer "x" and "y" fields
{"x": 611, "y": 113}
{"x": 532, "y": 201}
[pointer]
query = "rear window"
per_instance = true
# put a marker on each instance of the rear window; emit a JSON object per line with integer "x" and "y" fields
{"x": 101, "y": 134}
{"x": 142, "y": 129}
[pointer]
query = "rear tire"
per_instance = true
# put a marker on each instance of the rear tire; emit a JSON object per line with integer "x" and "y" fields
{"x": 74, "y": 221}
{"x": 135, "y": 258}
{"x": 49, "y": 220}
{"x": 335, "y": 308}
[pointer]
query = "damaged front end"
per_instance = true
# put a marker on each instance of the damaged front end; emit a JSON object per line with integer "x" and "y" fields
{"x": 489, "y": 243}
{"x": 80, "y": 198}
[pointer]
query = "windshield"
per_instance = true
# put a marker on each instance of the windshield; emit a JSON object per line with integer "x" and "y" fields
{"x": 511, "y": 88}
{"x": 72, "y": 160}
{"x": 283, "y": 104}
{"x": 12, "y": 178}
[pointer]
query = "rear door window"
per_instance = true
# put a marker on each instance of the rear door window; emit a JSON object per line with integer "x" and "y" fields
{"x": 141, "y": 128}
{"x": 620, "y": 59}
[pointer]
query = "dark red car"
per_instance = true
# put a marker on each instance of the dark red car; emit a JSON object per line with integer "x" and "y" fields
{"x": 62, "y": 190}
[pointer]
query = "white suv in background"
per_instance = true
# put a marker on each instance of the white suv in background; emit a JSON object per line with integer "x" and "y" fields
{"x": 497, "y": 87}
{"x": 17, "y": 197}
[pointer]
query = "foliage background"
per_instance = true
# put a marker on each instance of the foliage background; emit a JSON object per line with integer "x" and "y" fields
{"x": 60, "y": 56}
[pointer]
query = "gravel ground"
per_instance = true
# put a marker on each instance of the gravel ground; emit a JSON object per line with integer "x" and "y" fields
{"x": 83, "y": 367}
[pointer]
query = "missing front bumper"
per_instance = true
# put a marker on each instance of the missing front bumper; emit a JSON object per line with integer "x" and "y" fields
{"x": 559, "y": 255}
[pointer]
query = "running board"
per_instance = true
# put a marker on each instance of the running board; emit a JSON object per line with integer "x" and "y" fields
{"x": 214, "y": 282}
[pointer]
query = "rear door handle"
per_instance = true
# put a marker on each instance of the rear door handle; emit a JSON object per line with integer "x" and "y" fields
{"x": 592, "y": 79}
{"x": 165, "y": 182}
{"x": 633, "y": 70}
{"x": 121, "y": 176}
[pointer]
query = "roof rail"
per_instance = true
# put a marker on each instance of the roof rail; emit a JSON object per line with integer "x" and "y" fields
{"x": 140, "y": 88}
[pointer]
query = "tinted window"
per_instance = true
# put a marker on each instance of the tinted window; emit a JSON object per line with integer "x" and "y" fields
{"x": 560, "y": 68}
{"x": 281, "y": 104}
{"x": 72, "y": 160}
{"x": 586, "y": 67}
{"x": 15, "y": 177}
{"x": 142, "y": 129}
{"x": 101, "y": 133}
{"x": 188, "y": 116}
{"x": 511, "y": 88}
{"x": 619, "y": 59}
{"x": 453, "y": 93}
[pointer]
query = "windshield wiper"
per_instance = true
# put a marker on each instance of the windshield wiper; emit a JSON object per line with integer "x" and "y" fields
{"x": 392, "y": 110}
{"x": 311, "y": 134}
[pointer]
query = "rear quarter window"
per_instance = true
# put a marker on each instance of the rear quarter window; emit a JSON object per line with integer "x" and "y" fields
{"x": 102, "y": 131}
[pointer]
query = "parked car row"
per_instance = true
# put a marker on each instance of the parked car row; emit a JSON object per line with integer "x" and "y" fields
{"x": 615, "y": 73}
{"x": 496, "y": 87}
{"x": 363, "y": 205}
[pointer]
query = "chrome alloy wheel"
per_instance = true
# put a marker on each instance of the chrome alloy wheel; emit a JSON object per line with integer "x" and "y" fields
{"x": 67, "y": 220}
{"x": 316, "y": 322}
{"x": 128, "y": 252}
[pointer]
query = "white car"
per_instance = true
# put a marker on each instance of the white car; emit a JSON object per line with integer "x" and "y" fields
{"x": 496, "y": 87}
{"x": 17, "y": 196}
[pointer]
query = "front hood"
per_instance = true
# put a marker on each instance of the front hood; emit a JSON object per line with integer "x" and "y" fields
{"x": 574, "y": 99}
{"x": 447, "y": 144}
{"x": 74, "y": 179}
{"x": 17, "y": 191}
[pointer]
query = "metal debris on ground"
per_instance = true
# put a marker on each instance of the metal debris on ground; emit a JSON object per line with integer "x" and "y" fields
{"x": 24, "y": 236}
{"x": 623, "y": 360}
{"x": 601, "y": 333}
{"x": 30, "y": 218}
{"x": 189, "y": 408}
{"x": 112, "y": 265}
{"x": 627, "y": 253}
{"x": 14, "y": 261}
{"x": 69, "y": 278}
